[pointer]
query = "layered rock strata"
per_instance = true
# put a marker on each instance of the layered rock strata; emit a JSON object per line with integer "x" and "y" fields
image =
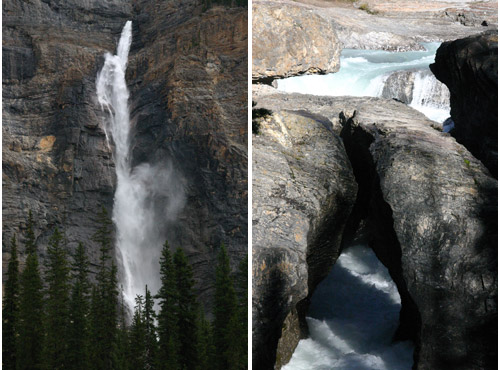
{"x": 428, "y": 209}
{"x": 469, "y": 67}
{"x": 56, "y": 161}
{"x": 187, "y": 77}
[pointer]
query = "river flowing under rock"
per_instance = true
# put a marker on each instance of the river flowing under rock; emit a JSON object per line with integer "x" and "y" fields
{"x": 404, "y": 76}
{"x": 352, "y": 318}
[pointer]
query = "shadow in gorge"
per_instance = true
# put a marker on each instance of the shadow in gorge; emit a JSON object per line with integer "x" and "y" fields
{"x": 353, "y": 316}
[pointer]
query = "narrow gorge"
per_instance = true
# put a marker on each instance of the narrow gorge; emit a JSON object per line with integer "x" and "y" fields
{"x": 332, "y": 173}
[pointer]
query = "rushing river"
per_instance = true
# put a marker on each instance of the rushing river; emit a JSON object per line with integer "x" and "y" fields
{"x": 353, "y": 315}
{"x": 381, "y": 73}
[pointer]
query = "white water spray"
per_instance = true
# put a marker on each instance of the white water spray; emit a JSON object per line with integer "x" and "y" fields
{"x": 353, "y": 315}
{"x": 147, "y": 196}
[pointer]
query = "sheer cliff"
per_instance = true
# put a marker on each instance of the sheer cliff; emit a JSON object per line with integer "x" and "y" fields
{"x": 187, "y": 77}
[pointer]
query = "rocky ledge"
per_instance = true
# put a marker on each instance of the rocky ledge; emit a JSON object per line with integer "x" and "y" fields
{"x": 291, "y": 40}
{"x": 429, "y": 208}
{"x": 469, "y": 68}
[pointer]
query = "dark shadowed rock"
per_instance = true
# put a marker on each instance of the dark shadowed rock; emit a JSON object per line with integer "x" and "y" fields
{"x": 432, "y": 210}
{"x": 469, "y": 67}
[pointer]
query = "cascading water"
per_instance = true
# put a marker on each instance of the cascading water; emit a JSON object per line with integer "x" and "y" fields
{"x": 353, "y": 316}
{"x": 146, "y": 195}
{"x": 429, "y": 97}
{"x": 381, "y": 74}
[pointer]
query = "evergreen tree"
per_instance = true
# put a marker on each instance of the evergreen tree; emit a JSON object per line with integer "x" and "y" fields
{"x": 186, "y": 311}
{"x": 95, "y": 335}
{"x": 150, "y": 340}
{"x": 122, "y": 337}
{"x": 242, "y": 315}
{"x": 78, "y": 341}
{"x": 31, "y": 334}
{"x": 226, "y": 315}
{"x": 10, "y": 310}
{"x": 206, "y": 349}
{"x": 168, "y": 339}
{"x": 137, "y": 346}
{"x": 104, "y": 301}
{"x": 57, "y": 304}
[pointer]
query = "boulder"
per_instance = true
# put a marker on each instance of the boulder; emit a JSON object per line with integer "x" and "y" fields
{"x": 469, "y": 67}
{"x": 291, "y": 40}
{"x": 303, "y": 191}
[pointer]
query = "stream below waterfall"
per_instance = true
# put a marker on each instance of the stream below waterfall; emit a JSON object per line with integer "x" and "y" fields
{"x": 352, "y": 318}
{"x": 404, "y": 76}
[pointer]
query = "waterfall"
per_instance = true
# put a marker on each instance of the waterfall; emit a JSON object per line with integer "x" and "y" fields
{"x": 404, "y": 76}
{"x": 147, "y": 196}
{"x": 353, "y": 315}
{"x": 430, "y": 96}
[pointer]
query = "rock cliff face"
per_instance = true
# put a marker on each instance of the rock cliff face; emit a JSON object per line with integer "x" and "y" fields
{"x": 55, "y": 158}
{"x": 291, "y": 40}
{"x": 469, "y": 67}
{"x": 428, "y": 209}
{"x": 187, "y": 78}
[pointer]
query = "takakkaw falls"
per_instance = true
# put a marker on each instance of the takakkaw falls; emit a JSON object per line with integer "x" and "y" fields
{"x": 139, "y": 240}
{"x": 374, "y": 135}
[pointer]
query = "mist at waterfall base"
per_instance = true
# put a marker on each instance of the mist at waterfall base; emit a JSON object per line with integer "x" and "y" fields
{"x": 148, "y": 196}
{"x": 352, "y": 318}
{"x": 366, "y": 72}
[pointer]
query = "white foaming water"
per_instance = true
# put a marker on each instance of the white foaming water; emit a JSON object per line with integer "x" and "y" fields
{"x": 364, "y": 73}
{"x": 139, "y": 190}
{"x": 430, "y": 98}
{"x": 354, "y": 313}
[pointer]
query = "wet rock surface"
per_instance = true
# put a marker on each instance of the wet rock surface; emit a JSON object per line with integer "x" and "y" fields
{"x": 187, "y": 77}
{"x": 428, "y": 209}
{"x": 291, "y": 40}
{"x": 469, "y": 67}
{"x": 303, "y": 191}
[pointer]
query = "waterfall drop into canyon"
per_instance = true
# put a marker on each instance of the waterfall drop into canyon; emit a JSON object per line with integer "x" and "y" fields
{"x": 352, "y": 319}
{"x": 147, "y": 195}
{"x": 404, "y": 76}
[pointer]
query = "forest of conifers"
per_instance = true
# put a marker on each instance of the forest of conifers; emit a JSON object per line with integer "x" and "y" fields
{"x": 62, "y": 320}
